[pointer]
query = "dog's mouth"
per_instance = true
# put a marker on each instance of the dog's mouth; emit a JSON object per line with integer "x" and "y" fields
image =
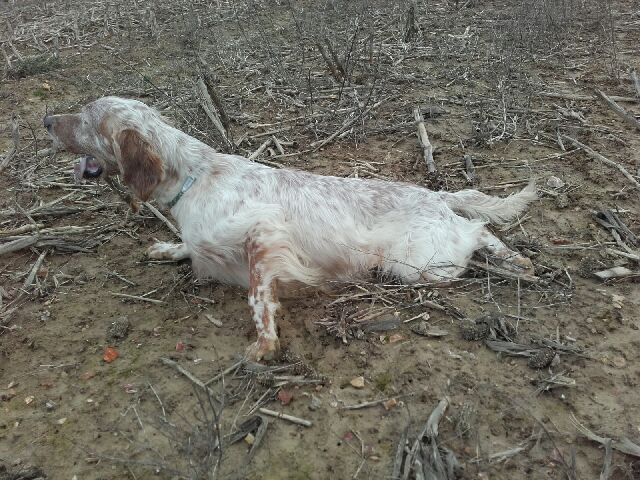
{"x": 86, "y": 167}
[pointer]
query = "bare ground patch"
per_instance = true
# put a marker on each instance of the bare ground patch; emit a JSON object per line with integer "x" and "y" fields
{"x": 511, "y": 371}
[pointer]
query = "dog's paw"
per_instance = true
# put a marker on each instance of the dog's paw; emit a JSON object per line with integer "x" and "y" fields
{"x": 263, "y": 349}
{"x": 166, "y": 251}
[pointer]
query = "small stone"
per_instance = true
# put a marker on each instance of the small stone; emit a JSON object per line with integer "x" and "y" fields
{"x": 61, "y": 421}
{"x": 616, "y": 301}
{"x": 218, "y": 323}
{"x": 619, "y": 362}
{"x": 250, "y": 439}
{"x": 357, "y": 382}
{"x": 389, "y": 404}
{"x": 554, "y": 182}
{"x": 29, "y": 400}
{"x": 6, "y": 395}
{"x": 49, "y": 405}
{"x": 315, "y": 403}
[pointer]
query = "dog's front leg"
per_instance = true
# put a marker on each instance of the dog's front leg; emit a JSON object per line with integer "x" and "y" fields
{"x": 168, "y": 251}
{"x": 263, "y": 301}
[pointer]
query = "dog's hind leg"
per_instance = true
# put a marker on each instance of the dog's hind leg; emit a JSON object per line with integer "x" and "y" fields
{"x": 504, "y": 256}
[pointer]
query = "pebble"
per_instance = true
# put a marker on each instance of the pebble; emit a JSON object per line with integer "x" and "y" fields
{"x": 315, "y": 403}
{"x": 554, "y": 182}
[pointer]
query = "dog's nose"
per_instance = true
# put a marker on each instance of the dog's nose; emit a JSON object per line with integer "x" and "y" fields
{"x": 47, "y": 121}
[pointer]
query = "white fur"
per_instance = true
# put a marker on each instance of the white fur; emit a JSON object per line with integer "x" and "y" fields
{"x": 315, "y": 228}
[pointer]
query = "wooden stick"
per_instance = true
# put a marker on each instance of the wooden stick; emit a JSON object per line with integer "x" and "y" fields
{"x": 335, "y": 58}
{"x": 207, "y": 105}
{"x": 470, "y": 168}
{"x": 15, "y": 133}
{"x": 631, "y": 256}
{"x": 284, "y": 416}
{"x": 504, "y": 273}
{"x": 23, "y": 229}
{"x": 209, "y": 80}
{"x": 260, "y": 149}
{"x": 593, "y": 154}
{"x": 623, "y": 445}
{"x": 18, "y": 244}
{"x": 636, "y": 82}
{"x": 278, "y": 145}
{"x": 137, "y": 297}
{"x": 423, "y": 138}
{"x": 372, "y": 403}
{"x": 572, "y": 96}
{"x": 321, "y": 143}
{"x": 34, "y": 271}
{"x": 125, "y": 196}
{"x": 329, "y": 62}
{"x": 195, "y": 380}
{"x": 163, "y": 219}
{"x": 621, "y": 112}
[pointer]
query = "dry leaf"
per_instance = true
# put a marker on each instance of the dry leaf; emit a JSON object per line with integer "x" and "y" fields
{"x": 110, "y": 354}
{"x": 396, "y": 337}
{"x": 285, "y": 396}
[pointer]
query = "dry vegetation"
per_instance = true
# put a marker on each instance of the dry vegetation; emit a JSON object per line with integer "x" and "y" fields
{"x": 378, "y": 380}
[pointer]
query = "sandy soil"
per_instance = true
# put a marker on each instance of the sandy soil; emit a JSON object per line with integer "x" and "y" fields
{"x": 67, "y": 413}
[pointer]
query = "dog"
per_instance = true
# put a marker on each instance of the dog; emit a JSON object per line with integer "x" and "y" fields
{"x": 262, "y": 228}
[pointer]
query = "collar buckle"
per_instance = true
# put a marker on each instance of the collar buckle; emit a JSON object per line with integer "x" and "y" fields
{"x": 188, "y": 183}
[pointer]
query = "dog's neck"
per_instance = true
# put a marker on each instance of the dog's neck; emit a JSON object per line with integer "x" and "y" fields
{"x": 185, "y": 158}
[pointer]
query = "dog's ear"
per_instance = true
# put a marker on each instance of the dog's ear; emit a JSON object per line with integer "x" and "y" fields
{"x": 141, "y": 166}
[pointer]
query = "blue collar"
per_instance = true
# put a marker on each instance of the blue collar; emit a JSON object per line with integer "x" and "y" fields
{"x": 188, "y": 183}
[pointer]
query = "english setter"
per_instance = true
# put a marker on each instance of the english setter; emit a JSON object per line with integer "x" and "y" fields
{"x": 247, "y": 224}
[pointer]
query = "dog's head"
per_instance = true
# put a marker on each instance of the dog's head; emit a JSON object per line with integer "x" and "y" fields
{"x": 114, "y": 135}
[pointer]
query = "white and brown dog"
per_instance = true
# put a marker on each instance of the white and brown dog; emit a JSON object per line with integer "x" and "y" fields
{"x": 250, "y": 225}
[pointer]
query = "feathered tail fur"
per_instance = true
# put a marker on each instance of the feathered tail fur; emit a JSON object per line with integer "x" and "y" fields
{"x": 475, "y": 204}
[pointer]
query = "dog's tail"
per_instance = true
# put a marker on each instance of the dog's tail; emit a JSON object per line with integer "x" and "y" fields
{"x": 475, "y": 204}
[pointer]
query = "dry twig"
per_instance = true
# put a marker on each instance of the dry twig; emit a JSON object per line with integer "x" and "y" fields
{"x": 601, "y": 158}
{"x": 423, "y": 138}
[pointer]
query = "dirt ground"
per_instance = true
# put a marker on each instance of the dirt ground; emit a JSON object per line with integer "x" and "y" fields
{"x": 504, "y": 83}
